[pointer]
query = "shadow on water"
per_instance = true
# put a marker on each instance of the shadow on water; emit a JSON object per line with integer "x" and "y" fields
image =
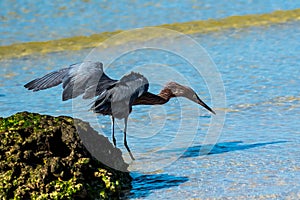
{"x": 223, "y": 148}
{"x": 144, "y": 184}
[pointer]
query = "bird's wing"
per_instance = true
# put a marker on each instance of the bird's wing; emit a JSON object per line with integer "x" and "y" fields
{"x": 85, "y": 78}
{"x": 125, "y": 91}
{"x": 49, "y": 80}
{"x": 130, "y": 87}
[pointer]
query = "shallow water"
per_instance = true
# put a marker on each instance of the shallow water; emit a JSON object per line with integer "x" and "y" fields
{"x": 256, "y": 156}
{"x": 258, "y": 152}
{"x": 27, "y": 20}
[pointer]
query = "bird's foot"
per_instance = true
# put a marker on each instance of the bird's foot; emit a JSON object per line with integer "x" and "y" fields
{"x": 115, "y": 143}
{"x": 131, "y": 156}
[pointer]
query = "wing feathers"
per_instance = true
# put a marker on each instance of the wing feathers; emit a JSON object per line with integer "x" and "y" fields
{"x": 121, "y": 95}
{"x": 113, "y": 97}
{"x": 49, "y": 80}
{"x": 133, "y": 84}
{"x": 85, "y": 78}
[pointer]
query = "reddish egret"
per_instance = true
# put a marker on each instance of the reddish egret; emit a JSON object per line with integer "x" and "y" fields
{"x": 113, "y": 97}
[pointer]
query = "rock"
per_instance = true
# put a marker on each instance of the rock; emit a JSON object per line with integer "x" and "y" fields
{"x": 43, "y": 157}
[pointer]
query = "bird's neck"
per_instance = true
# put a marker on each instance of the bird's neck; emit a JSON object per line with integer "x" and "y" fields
{"x": 152, "y": 99}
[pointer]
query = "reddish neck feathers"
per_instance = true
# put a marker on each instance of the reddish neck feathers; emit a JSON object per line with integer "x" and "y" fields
{"x": 152, "y": 99}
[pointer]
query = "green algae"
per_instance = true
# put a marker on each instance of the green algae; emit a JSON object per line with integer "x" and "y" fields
{"x": 42, "y": 157}
{"x": 203, "y": 26}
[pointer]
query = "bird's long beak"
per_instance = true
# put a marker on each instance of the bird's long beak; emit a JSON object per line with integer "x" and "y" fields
{"x": 197, "y": 100}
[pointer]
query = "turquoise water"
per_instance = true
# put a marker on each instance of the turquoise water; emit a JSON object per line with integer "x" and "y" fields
{"x": 258, "y": 152}
{"x": 27, "y": 20}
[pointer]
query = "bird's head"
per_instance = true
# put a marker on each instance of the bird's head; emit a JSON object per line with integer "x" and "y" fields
{"x": 178, "y": 90}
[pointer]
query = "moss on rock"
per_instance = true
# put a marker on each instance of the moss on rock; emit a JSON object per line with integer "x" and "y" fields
{"x": 43, "y": 157}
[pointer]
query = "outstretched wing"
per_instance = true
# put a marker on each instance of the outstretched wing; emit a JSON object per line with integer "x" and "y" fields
{"x": 120, "y": 97}
{"x": 49, "y": 80}
{"x": 85, "y": 78}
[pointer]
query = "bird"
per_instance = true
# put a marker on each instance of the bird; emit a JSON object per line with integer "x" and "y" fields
{"x": 112, "y": 97}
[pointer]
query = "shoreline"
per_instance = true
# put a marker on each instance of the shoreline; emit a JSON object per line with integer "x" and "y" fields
{"x": 75, "y": 43}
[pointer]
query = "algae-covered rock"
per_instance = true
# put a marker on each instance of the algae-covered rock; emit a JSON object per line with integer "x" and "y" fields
{"x": 43, "y": 157}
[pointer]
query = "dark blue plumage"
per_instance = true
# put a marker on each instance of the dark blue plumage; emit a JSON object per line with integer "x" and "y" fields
{"x": 117, "y": 100}
{"x": 114, "y": 97}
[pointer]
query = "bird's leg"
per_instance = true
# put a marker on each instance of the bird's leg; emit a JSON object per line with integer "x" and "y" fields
{"x": 113, "y": 131}
{"x": 125, "y": 141}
